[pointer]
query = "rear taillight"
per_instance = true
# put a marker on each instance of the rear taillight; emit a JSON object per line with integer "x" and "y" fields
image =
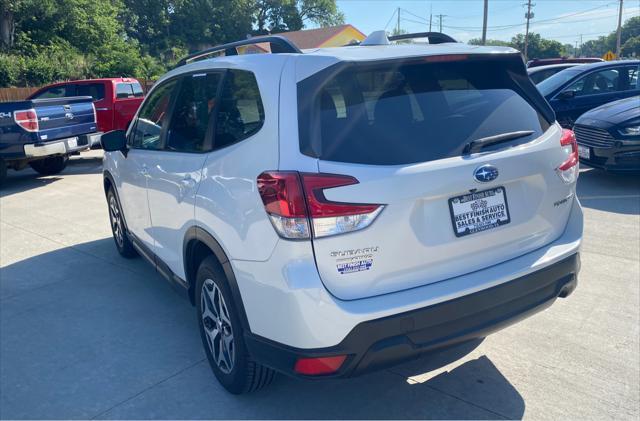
{"x": 297, "y": 206}
{"x": 27, "y": 119}
{"x": 319, "y": 366}
{"x": 568, "y": 170}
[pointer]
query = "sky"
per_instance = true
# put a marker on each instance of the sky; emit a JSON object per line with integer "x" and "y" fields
{"x": 562, "y": 20}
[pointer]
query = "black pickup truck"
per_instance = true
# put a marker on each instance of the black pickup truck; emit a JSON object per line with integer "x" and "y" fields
{"x": 43, "y": 133}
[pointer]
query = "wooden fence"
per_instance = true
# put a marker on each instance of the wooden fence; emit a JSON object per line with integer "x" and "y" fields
{"x": 15, "y": 94}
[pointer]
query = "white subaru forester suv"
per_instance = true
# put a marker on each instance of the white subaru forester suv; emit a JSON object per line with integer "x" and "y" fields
{"x": 334, "y": 211}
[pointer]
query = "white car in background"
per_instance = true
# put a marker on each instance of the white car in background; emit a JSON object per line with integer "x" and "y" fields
{"x": 339, "y": 210}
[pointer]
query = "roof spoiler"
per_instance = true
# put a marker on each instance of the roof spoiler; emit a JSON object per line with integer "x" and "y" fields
{"x": 381, "y": 38}
{"x": 278, "y": 45}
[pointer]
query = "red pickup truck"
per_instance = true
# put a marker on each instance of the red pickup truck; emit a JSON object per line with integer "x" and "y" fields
{"x": 116, "y": 99}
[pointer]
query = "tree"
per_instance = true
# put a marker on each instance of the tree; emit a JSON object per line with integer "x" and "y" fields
{"x": 492, "y": 42}
{"x": 631, "y": 47}
{"x": 291, "y": 15}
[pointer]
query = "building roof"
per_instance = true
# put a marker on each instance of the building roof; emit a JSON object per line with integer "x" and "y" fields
{"x": 314, "y": 38}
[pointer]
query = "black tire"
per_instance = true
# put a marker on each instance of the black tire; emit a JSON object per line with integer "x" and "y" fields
{"x": 50, "y": 166}
{"x": 245, "y": 375}
{"x": 3, "y": 171}
{"x": 118, "y": 227}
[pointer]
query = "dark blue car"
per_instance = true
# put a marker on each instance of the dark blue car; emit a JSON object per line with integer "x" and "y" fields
{"x": 576, "y": 90}
{"x": 609, "y": 136}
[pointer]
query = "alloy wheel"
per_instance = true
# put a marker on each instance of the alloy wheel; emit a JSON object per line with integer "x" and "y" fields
{"x": 116, "y": 221}
{"x": 217, "y": 326}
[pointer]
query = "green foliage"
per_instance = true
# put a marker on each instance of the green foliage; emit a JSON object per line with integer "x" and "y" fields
{"x": 43, "y": 41}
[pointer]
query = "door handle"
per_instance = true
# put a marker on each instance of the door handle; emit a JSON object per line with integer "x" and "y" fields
{"x": 188, "y": 181}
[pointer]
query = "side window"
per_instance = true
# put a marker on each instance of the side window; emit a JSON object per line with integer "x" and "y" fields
{"x": 192, "y": 113}
{"x": 601, "y": 82}
{"x": 137, "y": 90}
{"x": 123, "y": 90}
{"x": 94, "y": 90}
{"x": 151, "y": 118}
{"x": 240, "y": 114}
{"x": 628, "y": 79}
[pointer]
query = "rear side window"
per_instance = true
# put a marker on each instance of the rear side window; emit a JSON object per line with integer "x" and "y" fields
{"x": 191, "y": 118}
{"x": 408, "y": 112}
{"x": 124, "y": 90}
{"x": 241, "y": 113}
{"x": 152, "y": 117}
{"x": 137, "y": 89}
{"x": 94, "y": 90}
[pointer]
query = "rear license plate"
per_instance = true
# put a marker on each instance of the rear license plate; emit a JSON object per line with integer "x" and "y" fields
{"x": 72, "y": 142}
{"x": 584, "y": 152}
{"x": 479, "y": 211}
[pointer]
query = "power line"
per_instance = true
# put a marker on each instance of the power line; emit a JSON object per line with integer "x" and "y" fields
{"x": 390, "y": 19}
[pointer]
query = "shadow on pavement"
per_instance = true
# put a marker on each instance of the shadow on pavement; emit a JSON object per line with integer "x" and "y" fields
{"x": 618, "y": 193}
{"x": 28, "y": 179}
{"x": 85, "y": 333}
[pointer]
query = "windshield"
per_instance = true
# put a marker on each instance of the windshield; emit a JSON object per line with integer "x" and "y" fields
{"x": 390, "y": 114}
{"x": 554, "y": 82}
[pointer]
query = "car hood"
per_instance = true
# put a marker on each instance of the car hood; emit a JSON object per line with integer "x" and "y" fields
{"x": 615, "y": 112}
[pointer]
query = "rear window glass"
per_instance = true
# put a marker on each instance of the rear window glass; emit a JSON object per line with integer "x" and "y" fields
{"x": 94, "y": 90}
{"x": 410, "y": 111}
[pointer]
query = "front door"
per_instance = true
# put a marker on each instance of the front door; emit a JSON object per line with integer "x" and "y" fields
{"x": 144, "y": 148}
{"x": 595, "y": 89}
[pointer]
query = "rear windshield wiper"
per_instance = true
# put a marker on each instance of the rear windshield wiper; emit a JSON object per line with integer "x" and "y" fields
{"x": 478, "y": 144}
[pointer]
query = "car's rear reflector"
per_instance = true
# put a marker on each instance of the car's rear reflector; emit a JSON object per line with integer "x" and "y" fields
{"x": 319, "y": 366}
{"x": 568, "y": 170}
{"x": 27, "y": 119}
{"x": 295, "y": 203}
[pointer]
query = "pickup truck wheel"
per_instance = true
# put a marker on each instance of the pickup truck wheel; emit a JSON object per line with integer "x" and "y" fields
{"x": 3, "y": 171}
{"x": 50, "y": 166}
{"x": 222, "y": 334}
{"x": 123, "y": 244}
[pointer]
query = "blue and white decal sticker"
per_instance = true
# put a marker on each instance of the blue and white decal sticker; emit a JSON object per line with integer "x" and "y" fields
{"x": 354, "y": 260}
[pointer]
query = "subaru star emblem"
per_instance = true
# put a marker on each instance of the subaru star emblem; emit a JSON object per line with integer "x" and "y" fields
{"x": 485, "y": 173}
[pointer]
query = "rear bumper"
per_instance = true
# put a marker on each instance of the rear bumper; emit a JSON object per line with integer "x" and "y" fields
{"x": 58, "y": 147}
{"x": 383, "y": 342}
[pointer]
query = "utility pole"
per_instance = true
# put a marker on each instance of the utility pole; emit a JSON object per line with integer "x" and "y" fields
{"x": 619, "y": 31}
{"x": 440, "y": 19}
{"x": 529, "y": 15}
{"x": 430, "y": 16}
{"x": 575, "y": 50}
{"x": 398, "y": 24}
{"x": 484, "y": 22}
{"x": 580, "y": 46}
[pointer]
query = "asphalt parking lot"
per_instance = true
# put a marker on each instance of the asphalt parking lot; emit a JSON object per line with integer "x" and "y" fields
{"x": 87, "y": 334}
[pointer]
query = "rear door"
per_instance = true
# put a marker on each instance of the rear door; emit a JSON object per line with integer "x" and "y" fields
{"x": 400, "y": 128}
{"x": 175, "y": 171}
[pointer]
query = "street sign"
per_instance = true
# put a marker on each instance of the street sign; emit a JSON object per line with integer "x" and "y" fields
{"x": 608, "y": 56}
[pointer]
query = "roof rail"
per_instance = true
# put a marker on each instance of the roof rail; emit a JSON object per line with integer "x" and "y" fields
{"x": 433, "y": 37}
{"x": 278, "y": 45}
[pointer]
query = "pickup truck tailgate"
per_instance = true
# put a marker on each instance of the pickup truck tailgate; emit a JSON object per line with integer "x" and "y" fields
{"x": 60, "y": 118}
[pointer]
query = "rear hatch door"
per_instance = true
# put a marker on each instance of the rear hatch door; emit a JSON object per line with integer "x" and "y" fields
{"x": 401, "y": 130}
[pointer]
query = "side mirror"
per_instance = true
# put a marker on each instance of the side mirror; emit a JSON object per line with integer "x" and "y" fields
{"x": 115, "y": 140}
{"x": 567, "y": 94}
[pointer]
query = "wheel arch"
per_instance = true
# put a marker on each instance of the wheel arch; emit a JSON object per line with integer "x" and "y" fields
{"x": 198, "y": 245}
